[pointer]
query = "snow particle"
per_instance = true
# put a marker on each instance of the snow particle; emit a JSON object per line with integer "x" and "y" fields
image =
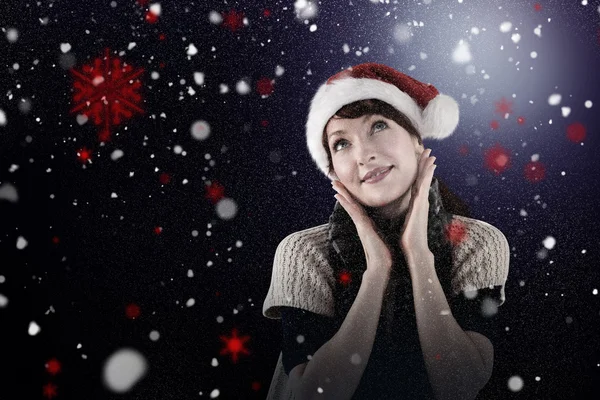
{"x": 300, "y": 338}
{"x": 12, "y": 35}
{"x": 81, "y": 119}
{"x": 595, "y": 292}
{"x": 200, "y": 130}
{"x": 549, "y": 242}
{"x": 3, "y": 300}
{"x": 355, "y": 359}
{"x": 116, "y": 154}
{"x": 533, "y": 54}
{"x": 588, "y": 104}
{"x": 215, "y": 18}
{"x": 242, "y": 87}
{"x": 554, "y": 99}
{"x": 199, "y": 78}
{"x": 515, "y": 383}
{"x": 21, "y": 243}
{"x": 313, "y": 27}
{"x": 65, "y": 47}
{"x": 402, "y": 33}
{"x": 305, "y": 9}
{"x": 565, "y": 111}
{"x": 515, "y": 37}
{"x": 226, "y": 208}
{"x": 154, "y": 336}
{"x": 8, "y": 192}
{"x": 2, "y": 117}
{"x": 33, "y": 329}
{"x": 124, "y": 369}
{"x": 461, "y": 53}
{"x": 155, "y": 9}
{"x": 192, "y": 50}
{"x": 190, "y": 302}
{"x": 505, "y": 27}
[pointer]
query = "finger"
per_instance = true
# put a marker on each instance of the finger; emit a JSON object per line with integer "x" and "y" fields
{"x": 424, "y": 159}
{"x": 345, "y": 202}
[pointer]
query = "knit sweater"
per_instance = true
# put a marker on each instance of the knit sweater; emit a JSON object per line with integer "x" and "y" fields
{"x": 302, "y": 276}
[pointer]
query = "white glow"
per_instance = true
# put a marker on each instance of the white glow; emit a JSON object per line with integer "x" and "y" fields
{"x": 461, "y": 54}
{"x": 124, "y": 369}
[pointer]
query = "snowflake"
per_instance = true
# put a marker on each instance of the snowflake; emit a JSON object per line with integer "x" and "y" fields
{"x": 49, "y": 390}
{"x": 107, "y": 92}
{"x": 233, "y": 20}
{"x": 234, "y": 345}
{"x": 504, "y": 106}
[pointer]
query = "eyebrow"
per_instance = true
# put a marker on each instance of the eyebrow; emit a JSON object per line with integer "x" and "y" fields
{"x": 343, "y": 132}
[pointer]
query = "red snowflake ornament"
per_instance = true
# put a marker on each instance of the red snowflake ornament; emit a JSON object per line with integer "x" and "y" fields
{"x": 107, "y": 92}
{"x": 49, "y": 390}
{"x": 576, "y": 132}
{"x": 233, "y": 20}
{"x": 215, "y": 192}
{"x": 132, "y": 311}
{"x": 456, "y": 232}
{"x": 534, "y": 171}
{"x": 345, "y": 278}
{"x": 264, "y": 86}
{"x": 53, "y": 366}
{"x": 164, "y": 178}
{"x": 234, "y": 345}
{"x": 84, "y": 155}
{"x": 151, "y": 18}
{"x": 504, "y": 107}
{"x": 497, "y": 159}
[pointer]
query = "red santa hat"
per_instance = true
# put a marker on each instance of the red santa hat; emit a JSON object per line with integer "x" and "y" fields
{"x": 434, "y": 115}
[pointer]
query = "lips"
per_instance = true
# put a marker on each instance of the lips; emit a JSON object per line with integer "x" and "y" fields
{"x": 376, "y": 175}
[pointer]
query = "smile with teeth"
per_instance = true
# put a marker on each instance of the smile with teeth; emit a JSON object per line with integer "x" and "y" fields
{"x": 377, "y": 174}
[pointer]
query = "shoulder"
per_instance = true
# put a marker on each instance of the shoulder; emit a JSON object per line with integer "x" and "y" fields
{"x": 301, "y": 275}
{"x": 308, "y": 242}
{"x": 481, "y": 255}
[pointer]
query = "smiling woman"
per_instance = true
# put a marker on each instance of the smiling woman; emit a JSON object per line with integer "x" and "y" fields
{"x": 398, "y": 292}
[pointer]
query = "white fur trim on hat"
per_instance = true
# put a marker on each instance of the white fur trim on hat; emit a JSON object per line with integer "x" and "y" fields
{"x": 437, "y": 121}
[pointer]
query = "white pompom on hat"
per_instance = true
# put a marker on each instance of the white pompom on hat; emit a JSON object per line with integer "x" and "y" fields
{"x": 434, "y": 115}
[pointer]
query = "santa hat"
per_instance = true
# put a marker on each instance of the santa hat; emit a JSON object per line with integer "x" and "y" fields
{"x": 434, "y": 115}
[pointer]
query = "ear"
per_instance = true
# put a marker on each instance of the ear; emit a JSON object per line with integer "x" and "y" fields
{"x": 419, "y": 148}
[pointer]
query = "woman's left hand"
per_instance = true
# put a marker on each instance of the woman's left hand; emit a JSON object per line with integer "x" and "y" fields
{"x": 414, "y": 232}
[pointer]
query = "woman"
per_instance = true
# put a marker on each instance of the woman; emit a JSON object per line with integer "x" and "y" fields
{"x": 396, "y": 296}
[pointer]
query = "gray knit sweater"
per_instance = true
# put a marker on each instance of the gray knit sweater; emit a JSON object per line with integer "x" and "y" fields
{"x": 302, "y": 277}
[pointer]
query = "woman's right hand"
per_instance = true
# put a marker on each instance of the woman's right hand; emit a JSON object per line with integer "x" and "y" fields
{"x": 377, "y": 253}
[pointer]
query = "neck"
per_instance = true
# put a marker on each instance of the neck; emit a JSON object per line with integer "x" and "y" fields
{"x": 392, "y": 213}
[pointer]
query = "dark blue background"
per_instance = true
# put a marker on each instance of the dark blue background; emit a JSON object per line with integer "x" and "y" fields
{"x": 103, "y": 263}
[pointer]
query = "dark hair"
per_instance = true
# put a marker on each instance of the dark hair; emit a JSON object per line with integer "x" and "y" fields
{"x": 452, "y": 203}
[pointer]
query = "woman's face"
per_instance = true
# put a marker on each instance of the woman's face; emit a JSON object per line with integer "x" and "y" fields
{"x": 369, "y": 142}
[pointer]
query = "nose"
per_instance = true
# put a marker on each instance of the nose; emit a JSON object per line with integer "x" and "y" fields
{"x": 366, "y": 153}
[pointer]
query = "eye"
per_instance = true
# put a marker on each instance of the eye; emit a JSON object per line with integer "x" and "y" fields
{"x": 381, "y": 124}
{"x": 336, "y": 143}
{"x": 377, "y": 125}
